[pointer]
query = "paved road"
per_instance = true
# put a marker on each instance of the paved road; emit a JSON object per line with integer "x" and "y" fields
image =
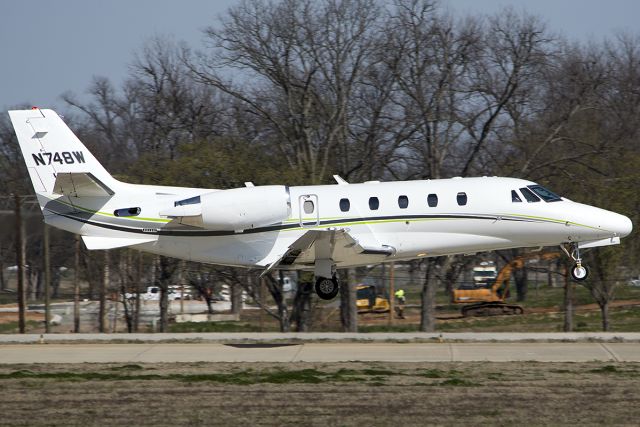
{"x": 309, "y": 337}
{"x": 319, "y": 352}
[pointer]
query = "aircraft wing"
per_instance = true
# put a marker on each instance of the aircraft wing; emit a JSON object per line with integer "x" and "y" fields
{"x": 343, "y": 249}
{"x": 80, "y": 184}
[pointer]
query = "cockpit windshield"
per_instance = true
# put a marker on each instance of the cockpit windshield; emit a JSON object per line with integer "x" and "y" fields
{"x": 546, "y": 195}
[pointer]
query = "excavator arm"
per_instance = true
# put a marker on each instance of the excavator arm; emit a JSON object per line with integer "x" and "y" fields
{"x": 485, "y": 301}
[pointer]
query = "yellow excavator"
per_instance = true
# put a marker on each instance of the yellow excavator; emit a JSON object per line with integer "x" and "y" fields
{"x": 490, "y": 299}
{"x": 368, "y": 300}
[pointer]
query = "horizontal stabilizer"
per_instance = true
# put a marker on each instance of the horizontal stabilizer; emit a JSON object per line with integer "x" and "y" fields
{"x": 96, "y": 243}
{"x": 80, "y": 184}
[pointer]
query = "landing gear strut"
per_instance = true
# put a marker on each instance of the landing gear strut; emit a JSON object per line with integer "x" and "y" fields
{"x": 579, "y": 272}
{"x": 327, "y": 289}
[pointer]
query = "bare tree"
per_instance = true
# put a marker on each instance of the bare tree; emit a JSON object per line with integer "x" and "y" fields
{"x": 567, "y": 301}
{"x": 14, "y": 178}
{"x": 348, "y": 307}
{"x": 515, "y": 48}
{"x": 203, "y": 280}
{"x": 302, "y": 62}
{"x": 430, "y": 55}
{"x": 603, "y": 285}
{"x": 428, "y": 296}
{"x": 158, "y": 109}
{"x": 126, "y": 294}
{"x": 303, "y": 304}
{"x": 167, "y": 268}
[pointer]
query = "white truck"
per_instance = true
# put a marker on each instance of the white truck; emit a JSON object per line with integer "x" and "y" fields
{"x": 484, "y": 274}
{"x": 175, "y": 293}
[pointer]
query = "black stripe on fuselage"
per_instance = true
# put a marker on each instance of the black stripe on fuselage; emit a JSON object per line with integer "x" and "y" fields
{"x": 282, "y": 227}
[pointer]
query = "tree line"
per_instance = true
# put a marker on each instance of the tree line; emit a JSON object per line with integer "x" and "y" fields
{"x": 294, "y": 91}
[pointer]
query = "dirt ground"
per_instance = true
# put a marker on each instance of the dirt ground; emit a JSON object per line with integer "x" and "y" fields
{"x": 413, "y": 315}
{"x": 346, "y": 394}
{"x": 8, "y": 317}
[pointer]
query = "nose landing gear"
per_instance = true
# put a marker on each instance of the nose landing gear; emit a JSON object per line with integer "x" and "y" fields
{"x": 579, "y": 272}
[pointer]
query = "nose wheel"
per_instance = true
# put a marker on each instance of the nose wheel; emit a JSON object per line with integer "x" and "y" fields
{"x": 326, "y": 288}
{"x": 579, "y": 272}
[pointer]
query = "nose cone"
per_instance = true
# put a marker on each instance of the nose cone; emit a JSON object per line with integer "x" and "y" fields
{"x": 622, "y": 226}
{"x": 605, "y": 224}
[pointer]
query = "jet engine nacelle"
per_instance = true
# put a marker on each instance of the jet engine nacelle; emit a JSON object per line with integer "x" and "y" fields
{"x": 245, "y": 208}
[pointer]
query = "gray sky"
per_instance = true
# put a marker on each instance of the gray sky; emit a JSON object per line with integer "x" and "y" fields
{"x": 48, "y": 47}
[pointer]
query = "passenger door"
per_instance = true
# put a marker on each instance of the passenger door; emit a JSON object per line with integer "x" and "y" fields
{"x": 309, "y": 210}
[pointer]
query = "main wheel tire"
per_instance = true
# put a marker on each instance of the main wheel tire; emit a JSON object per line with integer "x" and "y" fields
{"x": 579, "y": 273}
{"x": 327, "y": 289}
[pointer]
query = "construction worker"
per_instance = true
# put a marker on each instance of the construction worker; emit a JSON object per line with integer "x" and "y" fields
{"x": 400, "y": 300}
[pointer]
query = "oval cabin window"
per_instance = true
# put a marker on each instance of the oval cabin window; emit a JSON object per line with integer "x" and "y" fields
{"x": 374, "y": 203}
{"x": 308, "y": 207}
{"x": 403, "y": 202}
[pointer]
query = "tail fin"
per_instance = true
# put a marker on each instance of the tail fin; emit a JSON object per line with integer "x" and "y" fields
{"x": 58, "y": 163}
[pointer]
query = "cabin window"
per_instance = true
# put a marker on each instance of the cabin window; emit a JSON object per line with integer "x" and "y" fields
{"x": 127, "y": 212}
{"x": 462, "y": 199}
{"x": 345, "y": 205}
{"x": 374, "y": 203}
{"x": 403, "y": 202}
{"x": 190, "y": 201}
{"x": 308, "y": 206}
{"x": 432, "y": 200}
{"x": 514, "y": 197}
{"x": 528, "y": 194}
{"x": 546, "y": 195}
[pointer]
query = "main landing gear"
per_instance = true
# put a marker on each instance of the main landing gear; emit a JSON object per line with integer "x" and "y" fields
{"x": 326, "y": 288}
{"x": 579, "y": 272}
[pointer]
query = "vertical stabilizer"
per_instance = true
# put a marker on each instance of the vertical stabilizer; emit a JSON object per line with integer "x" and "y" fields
{"x": 58, "y": 163}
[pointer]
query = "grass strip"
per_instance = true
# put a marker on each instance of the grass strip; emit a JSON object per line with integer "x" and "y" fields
{"x": 131, "y": 373}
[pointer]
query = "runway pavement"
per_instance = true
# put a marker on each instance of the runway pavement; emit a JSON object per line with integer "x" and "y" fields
{"x": 320, "y": 352}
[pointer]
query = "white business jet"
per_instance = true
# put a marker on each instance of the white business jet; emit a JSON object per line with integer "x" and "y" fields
{"x": 320, "y": 228}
